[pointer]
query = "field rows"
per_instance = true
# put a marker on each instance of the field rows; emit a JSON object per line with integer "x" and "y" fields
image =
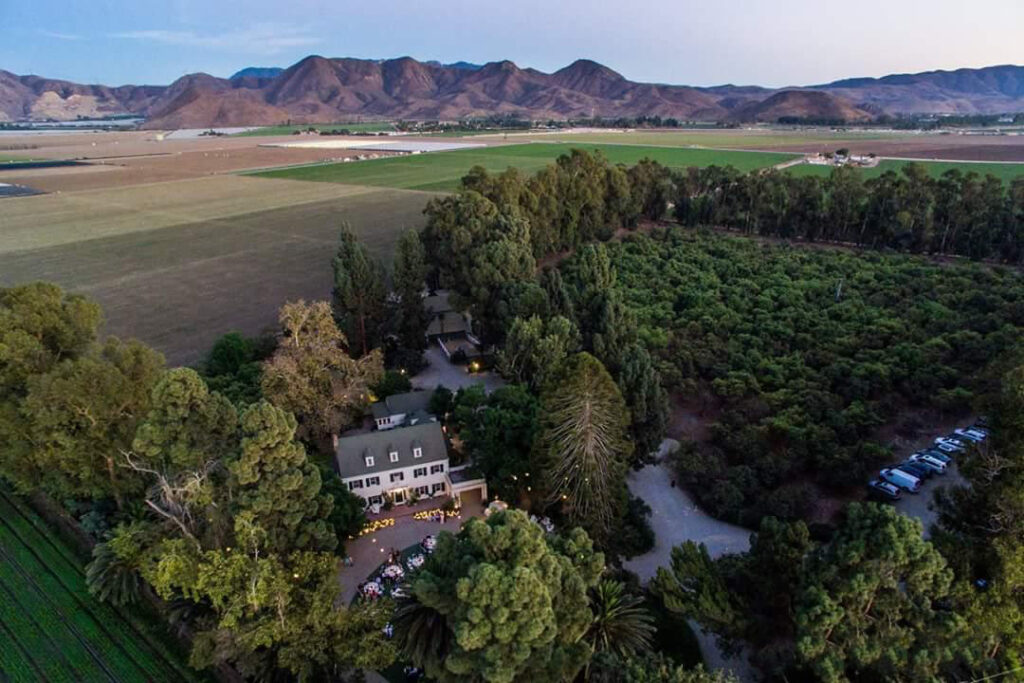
{"x": 59, "y": 631}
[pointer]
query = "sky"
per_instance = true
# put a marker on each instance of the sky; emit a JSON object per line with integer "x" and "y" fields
{"x": 764, "y": 42}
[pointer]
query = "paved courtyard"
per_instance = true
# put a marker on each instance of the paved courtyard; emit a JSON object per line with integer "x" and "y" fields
{"x": 368, "y": 552}
{"x": 441, "y": 372}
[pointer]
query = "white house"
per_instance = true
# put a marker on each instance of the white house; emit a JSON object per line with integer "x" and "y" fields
{"x": 402, "y": 463}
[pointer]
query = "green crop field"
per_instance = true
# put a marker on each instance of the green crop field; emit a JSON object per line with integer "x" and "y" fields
{"x": 1004, "y": 171}
{"x": 711, "y": 137}
{"x": 441, "y": 171}
{"x": 51, "y": 628}
{"x": 362, "y": 127}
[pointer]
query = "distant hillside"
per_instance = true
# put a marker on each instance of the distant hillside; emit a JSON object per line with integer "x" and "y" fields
{"x": 802, "y": 104}
{"x": 257, "y": 72}
{"x": 317, "y": 89}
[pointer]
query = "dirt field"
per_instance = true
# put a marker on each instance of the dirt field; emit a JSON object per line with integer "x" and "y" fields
{"x": 177, "y": 264}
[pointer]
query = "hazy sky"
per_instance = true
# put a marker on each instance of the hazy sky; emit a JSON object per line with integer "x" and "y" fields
{"x": 765, "y": 42}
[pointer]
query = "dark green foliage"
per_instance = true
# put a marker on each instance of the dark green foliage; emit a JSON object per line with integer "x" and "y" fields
{"x": 360, "y": 294}
{"x": 514, "y": 603}
{"x": 582, "y": 449}
{"x": 499, "y": 437}
{"x": 802, "y": 353}
{"x": 409, "y": 278}
{"x": 441, "y": 401}
{"x": 959, "y": 213}
{"x": 621, "y": 625}
{"x": 650, "y": 668}
{"x": 393, "y": 382}
{"x": 869, "y": 605}
{"x": 234, "y": 367}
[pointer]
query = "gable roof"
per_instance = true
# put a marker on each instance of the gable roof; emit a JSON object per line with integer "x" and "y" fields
{"x": 352, "y": 450}
{"x": 402, "y": 404}
{"x": 437, "y": 302}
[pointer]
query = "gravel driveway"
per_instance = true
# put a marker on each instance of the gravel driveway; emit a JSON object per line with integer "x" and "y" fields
{"x": 676, "y": 518}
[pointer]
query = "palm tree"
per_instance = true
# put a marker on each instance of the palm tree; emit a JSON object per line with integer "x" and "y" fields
{"x": 421, "y": 632}
{"x": 621, "y": 624}
{"x": 111, "y": 579}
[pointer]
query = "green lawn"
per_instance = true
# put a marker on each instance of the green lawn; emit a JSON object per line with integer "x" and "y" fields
{"x": 51, "y": 628}
{"x": 364, "y": 127}
{"x": 1006, "y": 172}
{"x": 441, "y": 171}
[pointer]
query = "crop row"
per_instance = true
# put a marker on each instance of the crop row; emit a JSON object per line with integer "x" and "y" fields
{"x": 15, "y": 664}
{"x": 39, "y": 631}
{"x": 147, "y": 650}
{"x": 65, "y": 588}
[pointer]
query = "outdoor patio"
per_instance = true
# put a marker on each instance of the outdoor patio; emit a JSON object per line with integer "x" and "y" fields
{"x": 367, "y": 552}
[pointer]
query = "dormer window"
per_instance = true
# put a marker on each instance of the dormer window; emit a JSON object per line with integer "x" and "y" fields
{"x": 368, "y": 460}
{"x": 417, "y": 452}
{"x": 394, "y": 456}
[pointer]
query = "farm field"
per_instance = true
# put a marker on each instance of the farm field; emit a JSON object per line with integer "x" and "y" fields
{"x": 441, "y": 171}
{"x": 51, "y": 628}
{"x": 178, "y": 264}
{"x": 909, "y": 144}
{"x": 1005, "y": 172}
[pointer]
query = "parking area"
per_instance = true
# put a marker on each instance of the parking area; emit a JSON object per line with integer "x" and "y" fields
{"x": 910, "y": 483}
{"x": 442, "y": 372}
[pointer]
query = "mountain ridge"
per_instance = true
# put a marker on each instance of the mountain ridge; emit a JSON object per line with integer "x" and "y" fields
{"x": 318, "y": 89}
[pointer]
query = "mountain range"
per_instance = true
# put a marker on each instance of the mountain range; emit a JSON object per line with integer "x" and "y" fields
{"x": 318, "y": 89}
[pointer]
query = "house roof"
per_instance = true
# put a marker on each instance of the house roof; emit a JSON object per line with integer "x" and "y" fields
{"x": 353, "y": 450}
{"x": 448, "y": 322}
{"x": 437, "y": 302}
{"x": 402, "y": 404}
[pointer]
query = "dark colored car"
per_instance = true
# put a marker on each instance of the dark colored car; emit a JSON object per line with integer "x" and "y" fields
{"x": 919, "y": 471}
{"x": 938, "y": 455}
{"x": 884, "y": 489}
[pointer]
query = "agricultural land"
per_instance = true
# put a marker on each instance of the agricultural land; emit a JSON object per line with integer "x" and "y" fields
{"x": 51, "y": 628}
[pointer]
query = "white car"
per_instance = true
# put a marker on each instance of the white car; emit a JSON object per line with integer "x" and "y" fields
{"x": 976, "y": 437}
{"x": 904, "y": 480}
{"x": 934, "y": 464}
{"x": 948, "y": 445}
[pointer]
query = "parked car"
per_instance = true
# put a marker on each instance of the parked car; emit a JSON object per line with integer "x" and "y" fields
{"x": 904, "y": 480}
{"x": 916, "y": 469}
{"x": 979, "y": 428}
{"x": 947, "y": 446}
{"x": 973, "y": 437}
{"x": 935, "y": 465}
{"x": 944, "y": 458}
{"x": 958, "y": 440}
{"x": 885, "y": 489}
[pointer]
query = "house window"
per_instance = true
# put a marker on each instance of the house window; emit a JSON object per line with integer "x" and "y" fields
{"x": 434, "y": 469}
{"x": 417, "y": 452}
{"x": 373, "y": 481}
{"x": 423, "y": 490}
{"x": 397, "y": 476}
{"x": 368, "y": 460}
{"x": 439, "y": 487}
{"x": 419, "y": 472}
{"x": 376, "y": 500}
{"x": 355, "y": 484}
{"x": 394, "y": 456}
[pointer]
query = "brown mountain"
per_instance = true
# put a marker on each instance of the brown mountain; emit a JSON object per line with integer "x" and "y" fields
{"x": 318, "y": 89}
{"x": 804, "y": 104}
